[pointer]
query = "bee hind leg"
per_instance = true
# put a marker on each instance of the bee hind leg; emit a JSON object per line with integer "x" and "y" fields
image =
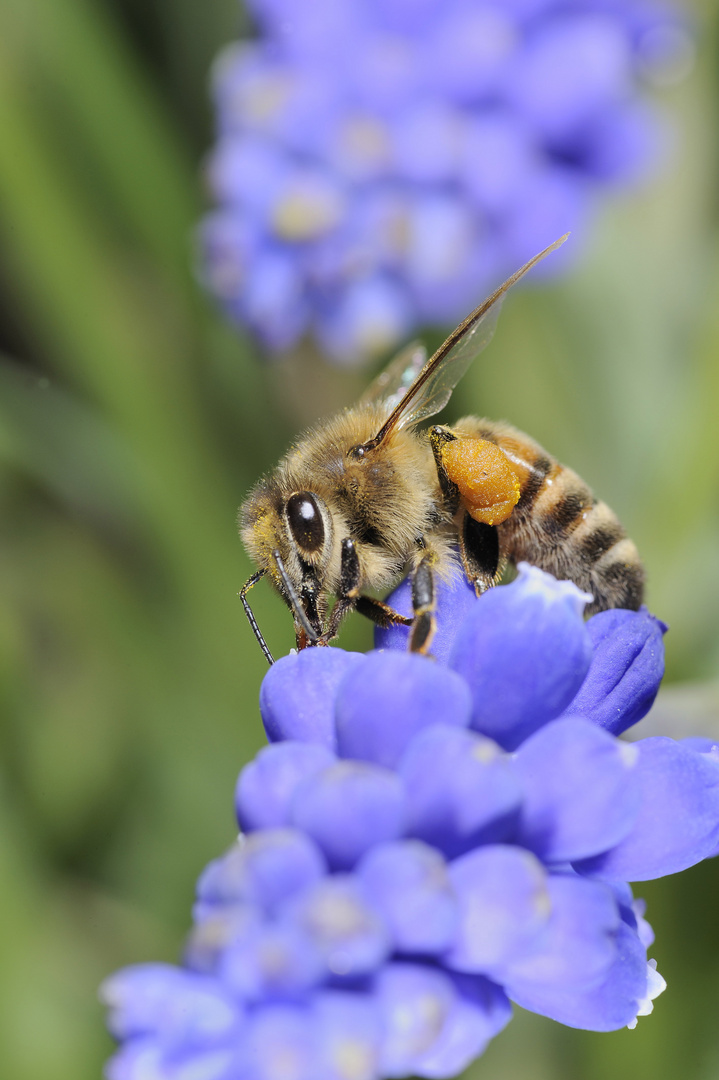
{"x": 438, "y": 438}
{"x": 478, "y": 542}
{"x": 480, "y": 553}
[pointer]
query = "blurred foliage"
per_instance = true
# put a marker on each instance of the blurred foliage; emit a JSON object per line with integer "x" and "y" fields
{"x": 131, "y": 423}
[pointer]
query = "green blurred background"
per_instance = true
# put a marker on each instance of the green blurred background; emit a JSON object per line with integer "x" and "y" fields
{"x": 132, "y": 421}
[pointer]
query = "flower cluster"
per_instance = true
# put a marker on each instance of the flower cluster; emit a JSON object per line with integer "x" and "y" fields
{"x": 423, "y": 843}
{"x": 379, "y": 163}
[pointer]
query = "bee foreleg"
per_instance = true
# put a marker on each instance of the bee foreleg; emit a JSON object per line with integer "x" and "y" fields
{"x": 423, "y": 605}
{"x": 480, "y": 553}
{"x": 381, "y": 614}
{"x": 348, "y": 590}
{"x": 249, "y": 584}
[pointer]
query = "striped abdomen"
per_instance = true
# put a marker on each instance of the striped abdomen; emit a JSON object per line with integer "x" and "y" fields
{"x": 560, "y": 526}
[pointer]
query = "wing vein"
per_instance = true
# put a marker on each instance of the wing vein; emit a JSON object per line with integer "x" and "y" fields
{"x": 447, "y": 365}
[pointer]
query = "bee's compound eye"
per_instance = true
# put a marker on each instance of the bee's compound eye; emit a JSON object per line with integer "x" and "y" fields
{"x": 305, "y": 519}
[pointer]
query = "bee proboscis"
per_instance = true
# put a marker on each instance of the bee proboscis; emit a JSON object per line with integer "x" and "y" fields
{"x": 365, "y": 495}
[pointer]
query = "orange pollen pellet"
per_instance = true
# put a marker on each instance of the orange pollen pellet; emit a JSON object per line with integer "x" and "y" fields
{"x": 487, "y": 483}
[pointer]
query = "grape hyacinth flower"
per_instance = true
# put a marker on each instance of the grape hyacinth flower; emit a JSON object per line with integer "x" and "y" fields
{"x": 380, "y": 164}
{"x": 426, "y": 841}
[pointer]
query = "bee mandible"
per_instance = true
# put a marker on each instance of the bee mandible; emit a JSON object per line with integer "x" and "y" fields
{"x": 364, "y": 496}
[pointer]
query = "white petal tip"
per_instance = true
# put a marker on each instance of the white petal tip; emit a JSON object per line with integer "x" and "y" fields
{"x": 539, "y": 581}
{"x": 656, "y": 985}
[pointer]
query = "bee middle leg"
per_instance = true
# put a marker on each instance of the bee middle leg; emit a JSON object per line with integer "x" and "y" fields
{"x": 381, "y": 614}
{"x": 423, "y": 604}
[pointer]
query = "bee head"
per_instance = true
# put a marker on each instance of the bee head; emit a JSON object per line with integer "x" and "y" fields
{"x": 290, "y": 538}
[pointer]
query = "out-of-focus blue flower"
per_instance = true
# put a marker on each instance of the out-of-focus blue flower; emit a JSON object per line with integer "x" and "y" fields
{"x": 379, "y": 164}
{"x": 425, "y": 842}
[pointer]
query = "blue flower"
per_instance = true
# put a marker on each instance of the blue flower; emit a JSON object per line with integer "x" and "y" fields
{"x": 426, "y": 842}
{"x": 379, "y": 165}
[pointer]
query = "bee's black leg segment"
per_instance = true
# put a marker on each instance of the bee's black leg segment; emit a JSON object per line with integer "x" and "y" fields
{"x": 349, "y": 570}
{"x": 381, "y": 614}
{"x": 423, "y": 601}
{"x": 438, "y": 436}
{"x": 348, "y": 591}
{"x": 249, "y": 584}
{"x": 479, "y": 548}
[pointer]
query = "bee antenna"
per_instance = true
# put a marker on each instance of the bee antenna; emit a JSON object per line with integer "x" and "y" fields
{"x": 252, "y": 620}
{"x": 299, "y": 612}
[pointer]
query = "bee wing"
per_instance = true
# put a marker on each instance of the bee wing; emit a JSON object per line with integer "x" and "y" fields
{"x": 433, "y": 386}
{"x": 392, "y": 384}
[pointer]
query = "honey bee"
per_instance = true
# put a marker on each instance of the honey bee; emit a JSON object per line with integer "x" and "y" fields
{"x": 365, "y": 496}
